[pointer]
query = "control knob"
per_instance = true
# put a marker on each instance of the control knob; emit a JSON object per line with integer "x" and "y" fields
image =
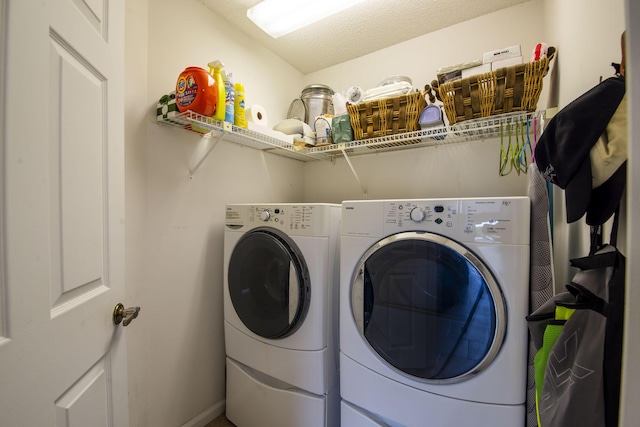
{"x": 265, "y": 215}
{"x": 417, "y": 214}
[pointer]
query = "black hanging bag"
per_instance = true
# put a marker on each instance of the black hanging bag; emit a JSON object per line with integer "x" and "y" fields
{"x": 578, "y": 338}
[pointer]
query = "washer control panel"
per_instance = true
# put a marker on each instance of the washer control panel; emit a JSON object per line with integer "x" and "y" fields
{"x": 419, "y": 214}
{"x": 295, "y": 219}
{"x": 489, "y": 220}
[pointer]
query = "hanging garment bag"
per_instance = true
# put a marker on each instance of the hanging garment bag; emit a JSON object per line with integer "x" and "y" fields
{"x": 578, "y": 338}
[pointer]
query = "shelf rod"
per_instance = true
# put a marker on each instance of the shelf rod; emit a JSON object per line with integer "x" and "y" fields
{"x": 353, "y": 171}
{"x": 192, "y": 172}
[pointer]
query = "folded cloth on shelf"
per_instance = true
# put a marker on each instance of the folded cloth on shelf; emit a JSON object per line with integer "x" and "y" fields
{"x": 387, "y": 91}
{"x": 166, "y": 108}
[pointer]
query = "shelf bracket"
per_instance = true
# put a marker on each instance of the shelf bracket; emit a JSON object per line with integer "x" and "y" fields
{"x": 193, "y": 171}
{"x": 353, "y": 171}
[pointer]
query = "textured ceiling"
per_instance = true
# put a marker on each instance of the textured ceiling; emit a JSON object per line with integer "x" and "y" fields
{"x": 362, "y": 29}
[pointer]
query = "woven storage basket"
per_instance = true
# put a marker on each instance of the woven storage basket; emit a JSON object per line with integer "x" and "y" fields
{"x": 386, "y": 116}
{"x": 505, "y": 90}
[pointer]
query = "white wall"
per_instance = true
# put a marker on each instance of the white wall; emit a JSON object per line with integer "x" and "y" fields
{"x": 588, "y": 41}
{"x": 421, "y": 57}
{"x": 175, "y": 225}
{"x": 455, "y": 170}
{"x": 136, "y": 214}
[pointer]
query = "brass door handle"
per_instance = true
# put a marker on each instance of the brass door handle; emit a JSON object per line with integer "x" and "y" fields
{"x": 124, "y": 315}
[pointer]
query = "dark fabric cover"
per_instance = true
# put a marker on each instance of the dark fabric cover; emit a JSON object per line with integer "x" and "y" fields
{"x": 562, "y": 153}
{"x": 581, "y": 377}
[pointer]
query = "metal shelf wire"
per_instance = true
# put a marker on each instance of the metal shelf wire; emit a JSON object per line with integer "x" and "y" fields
{"x": 204, "y": 125}
{"x": 470, "y": 130}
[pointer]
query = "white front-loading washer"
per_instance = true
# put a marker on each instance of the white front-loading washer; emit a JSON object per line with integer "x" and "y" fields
{"x": 433, "y": 299}
{"x": 280, "y": 314}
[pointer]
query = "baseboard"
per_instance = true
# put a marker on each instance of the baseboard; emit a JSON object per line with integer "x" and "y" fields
{"x": 207, "y": 416}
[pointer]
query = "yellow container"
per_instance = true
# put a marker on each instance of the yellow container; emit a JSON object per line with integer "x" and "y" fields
{"x": 239, "y": 113}
{"x": 215, "y": 69}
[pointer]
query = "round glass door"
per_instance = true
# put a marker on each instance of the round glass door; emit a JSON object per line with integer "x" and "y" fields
{"x": 268, "y": 283}
{"x": 428, "y": 307}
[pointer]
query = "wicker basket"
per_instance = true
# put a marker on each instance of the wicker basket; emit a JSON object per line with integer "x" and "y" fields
{"x": 505, "y": 90}
{"x": 387, "y": 116}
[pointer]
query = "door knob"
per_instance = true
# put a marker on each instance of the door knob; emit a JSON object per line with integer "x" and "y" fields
{"x": 124, "y": 315}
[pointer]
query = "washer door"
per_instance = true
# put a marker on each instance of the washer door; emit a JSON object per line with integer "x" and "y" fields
{"x": 268, "y": 283}
{"x": 428, "y": 307}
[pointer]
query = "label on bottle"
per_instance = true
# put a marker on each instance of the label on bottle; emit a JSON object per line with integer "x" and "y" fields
{"x": 229, "y": 102}
{"x": 186, "y": 90}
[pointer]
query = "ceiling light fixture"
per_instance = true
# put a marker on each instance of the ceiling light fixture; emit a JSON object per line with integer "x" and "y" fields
{"x": 280, "y": 17}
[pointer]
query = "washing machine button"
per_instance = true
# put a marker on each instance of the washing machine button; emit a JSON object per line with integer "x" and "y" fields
{"x": 265, "y": 215}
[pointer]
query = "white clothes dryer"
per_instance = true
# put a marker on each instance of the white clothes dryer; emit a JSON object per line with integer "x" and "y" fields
{"x": 280, "y": 314}
{"x": 433, "y": 299}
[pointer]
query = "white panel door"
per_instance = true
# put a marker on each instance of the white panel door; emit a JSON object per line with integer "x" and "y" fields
{"x": 62, "y": 359}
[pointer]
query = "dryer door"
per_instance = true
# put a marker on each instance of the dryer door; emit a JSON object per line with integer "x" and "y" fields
{"x": 269, "y": 283}
{"x": 428, "y": 307}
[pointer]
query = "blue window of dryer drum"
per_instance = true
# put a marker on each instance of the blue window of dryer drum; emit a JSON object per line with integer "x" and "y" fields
{"x": 428, "y": 307}
{"x": 268, "y": 283}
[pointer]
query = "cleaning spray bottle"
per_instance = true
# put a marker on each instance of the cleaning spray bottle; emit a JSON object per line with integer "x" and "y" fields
{"x": 229, "y": 97}
{"x": 215, "y": 69}
{"x": 239, "y": 114}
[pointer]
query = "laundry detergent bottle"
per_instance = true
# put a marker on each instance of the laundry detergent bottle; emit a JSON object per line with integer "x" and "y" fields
{"x": 196, "y": 90}
{"x": 215, "y": 68}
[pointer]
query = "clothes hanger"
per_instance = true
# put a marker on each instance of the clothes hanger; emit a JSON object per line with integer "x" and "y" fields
{"x": 515, "y": 156}
{"x": 522, "y": 157}
{"x": 505, "y": 155}
{"x": 535, "y": 139}
{"x": 528, "y": 145}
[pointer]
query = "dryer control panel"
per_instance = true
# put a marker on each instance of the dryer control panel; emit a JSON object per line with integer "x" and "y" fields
{"x": 294, "y": 219}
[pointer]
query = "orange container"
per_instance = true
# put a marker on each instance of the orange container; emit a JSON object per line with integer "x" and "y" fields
{"x": 196, "y": 90}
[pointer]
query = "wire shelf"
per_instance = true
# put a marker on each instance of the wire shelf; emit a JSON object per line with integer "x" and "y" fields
{"x": 470, "y": 130}
{"x": 204, "y": 125}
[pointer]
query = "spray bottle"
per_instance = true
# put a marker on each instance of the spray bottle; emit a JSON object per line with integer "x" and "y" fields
{"x": 215, "y": 69}
{"x": 229, "y": 97}
{"x": 239, "y": 113}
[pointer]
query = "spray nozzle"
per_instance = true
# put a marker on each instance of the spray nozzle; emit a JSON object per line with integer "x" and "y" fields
{"x": 216, "y": 65}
